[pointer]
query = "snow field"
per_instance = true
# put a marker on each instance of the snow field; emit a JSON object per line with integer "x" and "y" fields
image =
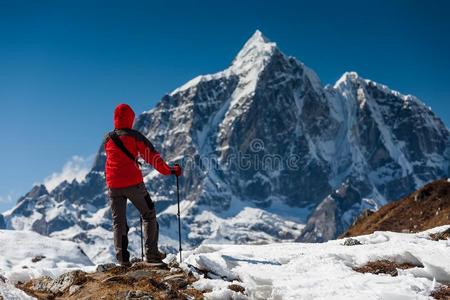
{"x": 18, "y": 248}
{"x": 324, "y": 271}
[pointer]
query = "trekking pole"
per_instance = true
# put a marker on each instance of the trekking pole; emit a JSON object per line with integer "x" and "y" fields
{"x": 142, "y": 244}
{"x": 179, "y": 218}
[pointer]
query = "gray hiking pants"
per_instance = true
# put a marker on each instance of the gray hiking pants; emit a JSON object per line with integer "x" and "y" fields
{"x": 140, "y": 198}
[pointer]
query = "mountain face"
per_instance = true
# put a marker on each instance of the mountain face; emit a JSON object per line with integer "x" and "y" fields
{"x": 269, "y": 153}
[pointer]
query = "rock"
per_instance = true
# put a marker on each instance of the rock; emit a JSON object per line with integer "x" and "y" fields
{"x": 160, "y": 272}
{"x": 351, "y": 242}
{"x": 73, "y": 289}
{"x": 139, "y": 274}
{"x": 441, "y": 293}
{"x": 159, "y": 285}
{"x": 36, "y": 192}
{"x": 178, "y": 283}
{"x": 172, "y": 262}
{"x": 37, "y": 258}
{"x": 144, "y": 264}
{"x": 105, "y": 267}
{"x": 175, "y": 270}
{"x": 171, "y": 294}
{"x": 322, "y": 220}
{"x": 116, "y": 279}
{"x": 135, "y": 260}
{"x": 444, "y": 235}
{"x": 66, "y": 280}
{"x": 2, "y": 278}
{"x": 42, "y": 284}
{"x": 141, "y": 281}
{"x": 138, "y": 295}
{"x": 237, "y": 288}
{"x": 173, "y": 276}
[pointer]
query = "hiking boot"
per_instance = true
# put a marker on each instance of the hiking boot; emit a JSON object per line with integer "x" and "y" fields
{"x": 155, "y": 257}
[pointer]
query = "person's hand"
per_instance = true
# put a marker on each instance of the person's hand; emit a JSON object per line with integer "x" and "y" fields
{"x": 176, "y": 170}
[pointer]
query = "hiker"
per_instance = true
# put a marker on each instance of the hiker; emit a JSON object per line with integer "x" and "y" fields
{"x": 124, "y": 179}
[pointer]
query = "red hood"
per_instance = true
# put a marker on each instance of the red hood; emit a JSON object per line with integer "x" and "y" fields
{"x": 123, "y": 116}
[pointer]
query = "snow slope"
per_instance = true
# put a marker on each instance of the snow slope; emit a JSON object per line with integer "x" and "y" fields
{"x": 9, "y": 292}
{"x": 18, "y": 248}
{"x": 324, "y": 271}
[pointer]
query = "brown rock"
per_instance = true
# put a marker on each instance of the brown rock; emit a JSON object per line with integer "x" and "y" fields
{"x": 444, "y": 235}
{"x": 237, "y": 288}
{"x": 442, "y": 293}
{"x": 141, "y": 281}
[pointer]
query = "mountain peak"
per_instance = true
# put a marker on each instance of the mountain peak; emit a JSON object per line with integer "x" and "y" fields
{"x": 347, "y": 77}
{"x": 258, "y": 48}
{"x": 249, "y": 62}
{"x": 37, "y": 191}
{"x": 259, "y": 37}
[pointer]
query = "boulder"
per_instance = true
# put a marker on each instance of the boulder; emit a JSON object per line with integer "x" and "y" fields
{"x": 105, "y": 267}
{"x": 351, "y": 242}
{"x": 63, "y": 282}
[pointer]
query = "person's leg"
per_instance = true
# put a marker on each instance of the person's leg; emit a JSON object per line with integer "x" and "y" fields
{"x": 118, "y": 208}
{"x": 139, "y": 196}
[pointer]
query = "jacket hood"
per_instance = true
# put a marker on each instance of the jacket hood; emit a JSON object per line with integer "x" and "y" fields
{"x": 123, "y": 116}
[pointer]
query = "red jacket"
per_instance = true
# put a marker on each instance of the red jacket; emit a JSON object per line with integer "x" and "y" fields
{"x": 120, "y": 170}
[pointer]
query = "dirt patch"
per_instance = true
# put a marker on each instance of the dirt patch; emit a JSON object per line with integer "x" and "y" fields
{"x": 442, "y": 293}
{"x": 141, "y": 281}
{"x": 384, "y": 267}
{"x": 426, "y": 208}
{"x": 444, "y": 235}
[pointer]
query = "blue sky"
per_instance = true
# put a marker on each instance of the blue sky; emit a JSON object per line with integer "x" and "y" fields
{"x": 64, "y": 65}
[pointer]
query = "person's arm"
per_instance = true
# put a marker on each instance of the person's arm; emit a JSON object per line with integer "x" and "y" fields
{"x": 151, "y": 156}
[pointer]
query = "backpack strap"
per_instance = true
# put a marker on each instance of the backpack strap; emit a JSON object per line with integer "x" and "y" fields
{"x": 118, "y": 142}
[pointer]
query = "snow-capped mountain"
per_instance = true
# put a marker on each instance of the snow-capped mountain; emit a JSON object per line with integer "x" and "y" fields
{"x": 270, "y": 154}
